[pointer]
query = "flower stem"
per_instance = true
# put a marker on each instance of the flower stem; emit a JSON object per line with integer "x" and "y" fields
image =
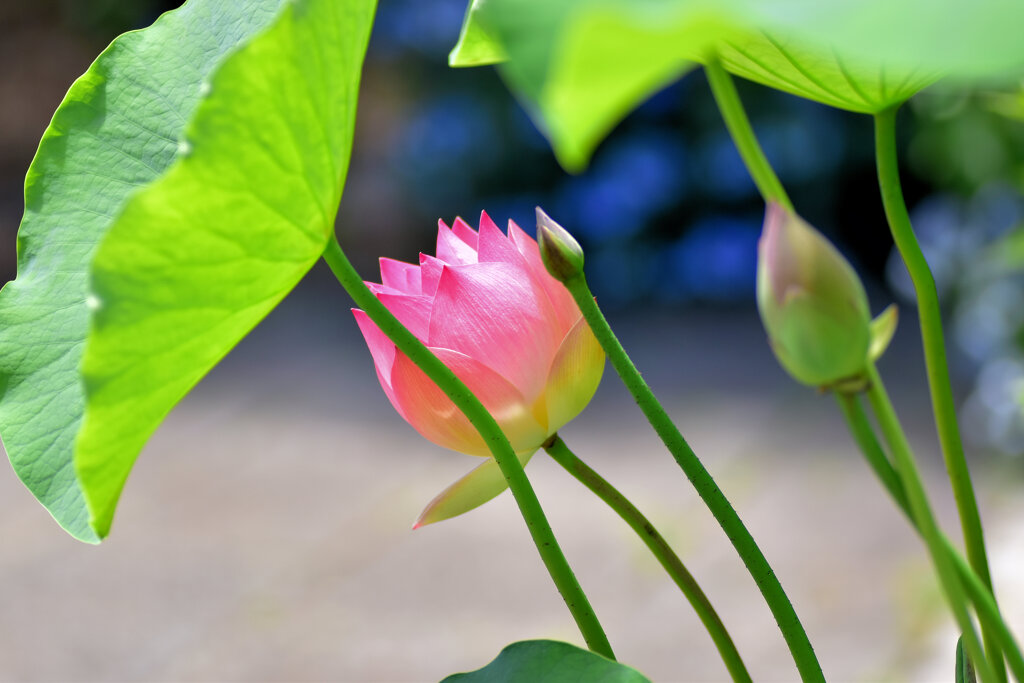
{"x": 703, "y": 483}
{"x": 728, "y": 101}
{"x": 864, "y": 435}
{"x": 537, "y": 523}
{"x": 659, "y": 547}
{"x": 977, "y": 591}
{"x": 934, "y": 354}
{"x": 922, "y": 514}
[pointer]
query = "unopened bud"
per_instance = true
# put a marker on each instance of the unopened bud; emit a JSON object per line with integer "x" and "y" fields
{"x": 811, "y": 301}
{"x": 561, "y": 253}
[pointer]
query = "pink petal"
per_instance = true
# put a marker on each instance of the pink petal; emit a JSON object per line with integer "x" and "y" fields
{"x": 575, "y": 374}
{"x": 401, "y": 276}
{"x": 471, "y": 491}
{"x": 561, "y": 301}
{"x": 491, "y": 313}
{"x": 465, "y": 232}
{"x": 485, "y": 221}
{"x": 496, "y": 247}
{"x": 435, "y": 417}
{"x": 383, "y": 352}
{"x": 430, "y": 271}
{"x": 451, "y": 249}
{"x": 411, "y": 311}
{"x": 378, "y": 288}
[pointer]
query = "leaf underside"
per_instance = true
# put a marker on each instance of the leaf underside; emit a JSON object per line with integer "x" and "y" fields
{"x": 189, "y": 180}
{"x": 116, "y": 131}
{"x": 582, "y": 65}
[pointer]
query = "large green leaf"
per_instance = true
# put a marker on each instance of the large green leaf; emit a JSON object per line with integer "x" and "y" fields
{"x": 203, "y": 254}
{"x": 821, "y": 74}
{"x": 116, "y": 131}
{"x": 208, "y": 154}
{"x": 549, "y": 661}
{"x": 581, "y": 65}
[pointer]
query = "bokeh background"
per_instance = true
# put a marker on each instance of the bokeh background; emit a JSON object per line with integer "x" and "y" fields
{"x": 264, "y": 535}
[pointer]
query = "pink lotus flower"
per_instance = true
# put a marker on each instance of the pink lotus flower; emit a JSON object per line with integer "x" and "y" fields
{"x": 490, "y": 311}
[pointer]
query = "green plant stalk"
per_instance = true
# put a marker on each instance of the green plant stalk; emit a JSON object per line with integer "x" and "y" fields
{"x": 984, "y": 603}
{"x": 537, "y": 523}
{"x": 771, "y": 189}
{"x": 728, "y": 101}
{"x": 659, "y": 547}
{"x": 925, "y": 520}
{"x": 778, "y": 602}
{"x": 934, "y": 354}
{"x": 864, "y": 436}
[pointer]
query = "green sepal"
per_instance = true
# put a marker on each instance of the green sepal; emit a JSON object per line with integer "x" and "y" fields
{"x": 483, "y": 483}
{"x": 883, "y": 327}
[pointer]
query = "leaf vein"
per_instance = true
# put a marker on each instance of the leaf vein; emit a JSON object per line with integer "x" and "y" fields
{"x": 810, "y": 77}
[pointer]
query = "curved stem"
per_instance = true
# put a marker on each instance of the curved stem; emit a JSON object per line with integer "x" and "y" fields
{"x": 934, "y": 352}
{"x": 925, "y": 520}
{"x": 864, "y": 435}
{"x": 977, "y": 591}
{"x": 537, "y": 523}
{"x": 778, "y": 602}
{"x": 659, "y": 547}
{"x": 728, "y": 101}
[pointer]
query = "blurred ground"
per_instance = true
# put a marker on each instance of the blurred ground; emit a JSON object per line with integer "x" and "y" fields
{"x": 264, "y": 535}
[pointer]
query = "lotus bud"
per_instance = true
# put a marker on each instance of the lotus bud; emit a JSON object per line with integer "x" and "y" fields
{"x": 811, "y": 301}
{"x": 561, "y": 253}
{"x": 486, "y": 306}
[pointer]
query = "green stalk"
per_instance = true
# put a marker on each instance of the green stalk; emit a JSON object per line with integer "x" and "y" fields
{"x": 707, "y": 489}
{"x": 985, "y": 604}
{"x": 728, "y": 101}
{"x": 659, "y": 547}
{"x": 864, "y": 435}
{"x": 934, "y": 354}
{"x": 925, "y": 520}
{"x": 537, "y": 523}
